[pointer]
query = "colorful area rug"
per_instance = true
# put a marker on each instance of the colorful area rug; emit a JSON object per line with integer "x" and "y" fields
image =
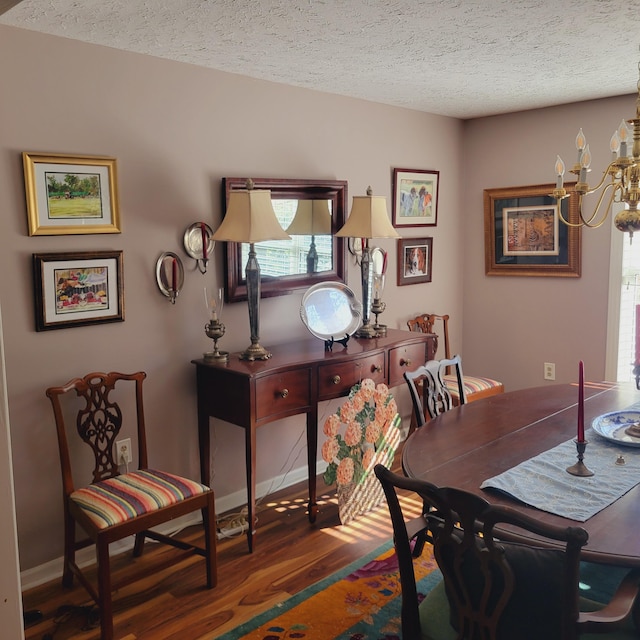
{"x": 361, "y": 602}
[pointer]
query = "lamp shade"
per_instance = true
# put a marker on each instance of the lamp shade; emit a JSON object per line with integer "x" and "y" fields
{"x": 312, "y": 218}
{"x": 250, "y": 218}
{"x": 368, "y": 218}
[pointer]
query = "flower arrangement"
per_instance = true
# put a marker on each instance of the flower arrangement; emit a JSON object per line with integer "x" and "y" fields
{"x": 357, "y": 431}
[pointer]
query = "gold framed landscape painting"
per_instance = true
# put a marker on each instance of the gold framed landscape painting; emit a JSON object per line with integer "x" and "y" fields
{"x": 524, "y": 233}
{"x": 70, "y": 194}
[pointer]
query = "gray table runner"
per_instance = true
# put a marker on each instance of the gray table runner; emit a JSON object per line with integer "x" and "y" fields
{"x": 544, "y": 483}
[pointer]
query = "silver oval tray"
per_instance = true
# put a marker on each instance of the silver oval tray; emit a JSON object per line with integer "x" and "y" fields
{"x": 612, "y": 427}
{"x": 330, "y": 310}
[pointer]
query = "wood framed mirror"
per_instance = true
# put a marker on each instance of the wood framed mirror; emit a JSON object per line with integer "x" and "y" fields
{"x": 285, "y": 265}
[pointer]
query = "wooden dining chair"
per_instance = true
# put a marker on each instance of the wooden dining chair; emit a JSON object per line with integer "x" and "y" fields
{"x": 475, "y": 387}
{"x": 430, "y": 394}
{"x": 110, "y": 505}
{"x": 494, "y": 588}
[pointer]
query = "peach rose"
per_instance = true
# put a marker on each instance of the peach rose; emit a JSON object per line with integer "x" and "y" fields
{"x": 345, "y": 471}
{"x": 330, "y": 449}
{"x": 367, "y": 458}
{"x": 367, "y": 388}
{"x": 331, "y": 426}
{"x": 372, "y": 434}
{"x": 347, "y": 411}
{"x": 353, "y": 434}
{"x": 358, "y": 402}
{"x": 381, "y": 393}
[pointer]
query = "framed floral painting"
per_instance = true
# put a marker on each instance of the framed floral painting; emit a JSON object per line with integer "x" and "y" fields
{"x": 77, "y": 289}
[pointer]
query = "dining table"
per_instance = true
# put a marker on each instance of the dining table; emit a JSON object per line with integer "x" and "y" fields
{"x": 477, "y": 443}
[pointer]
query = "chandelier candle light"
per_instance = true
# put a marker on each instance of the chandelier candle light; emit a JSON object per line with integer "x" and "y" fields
{"x": 624, "y": 178}
{"x": 579, "y": 469}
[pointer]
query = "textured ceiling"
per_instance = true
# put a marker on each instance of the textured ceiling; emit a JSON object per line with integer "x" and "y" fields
{"x": 461, "y": 58}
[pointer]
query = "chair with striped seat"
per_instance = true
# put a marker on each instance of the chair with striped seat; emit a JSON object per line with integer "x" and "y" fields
{"x": 475, "y": 387}
{"x": 115, "y": 505}
{"x": 430, "y": 395}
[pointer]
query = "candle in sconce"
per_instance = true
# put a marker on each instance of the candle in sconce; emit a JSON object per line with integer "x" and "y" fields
{"x": 581, "y": 402}
{"x": 174, "y": 275}
{"x": 205, "y": 240}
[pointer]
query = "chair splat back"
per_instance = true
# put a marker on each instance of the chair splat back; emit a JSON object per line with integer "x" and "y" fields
{"x": 475, "y": 387}
{"x": 430, "y": 395}
{"x": 99, "y": 422}
{"x": 493, "y": 587}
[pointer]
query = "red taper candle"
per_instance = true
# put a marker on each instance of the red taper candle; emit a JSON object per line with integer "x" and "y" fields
{"x": 205, "y": 240}
{"x": 581, "y": 402}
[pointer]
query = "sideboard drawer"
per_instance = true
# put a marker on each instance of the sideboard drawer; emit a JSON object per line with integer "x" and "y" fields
{"x": 335, "y": 380}
{"x": 403, "y": 359}
{"x": 283, "y": 393}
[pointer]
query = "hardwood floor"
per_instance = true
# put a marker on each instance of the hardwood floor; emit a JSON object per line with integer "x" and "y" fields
{"x": 289, "y": 555}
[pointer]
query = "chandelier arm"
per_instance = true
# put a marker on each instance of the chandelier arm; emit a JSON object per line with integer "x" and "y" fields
{"x": 594, "y": 225}
{"x": 589, "y": 222}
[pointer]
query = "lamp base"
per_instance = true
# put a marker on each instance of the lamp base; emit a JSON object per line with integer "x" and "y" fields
{"x": 380, "y": 329}
{"x": 366, "y": 331}
{"x": 216, "y": 356}
{"x": 255, "y": 352}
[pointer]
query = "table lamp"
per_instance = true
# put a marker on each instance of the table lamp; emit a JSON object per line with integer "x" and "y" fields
{"x": 368, "y": 219}
{"x": 312, "y": 218}
{"x": 250, "y": 218}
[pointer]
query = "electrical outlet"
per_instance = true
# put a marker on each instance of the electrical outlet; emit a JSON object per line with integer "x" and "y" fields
{"x": 549, "y": 370}
{"x": 123, "y": 451}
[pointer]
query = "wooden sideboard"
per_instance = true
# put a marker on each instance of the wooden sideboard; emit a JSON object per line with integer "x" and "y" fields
{"x": 293, "y": 381}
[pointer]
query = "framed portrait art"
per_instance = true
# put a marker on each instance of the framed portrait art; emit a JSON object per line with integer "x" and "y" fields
{"x": 415, "y": 198}
{"x": 414, "y": 260}
{"x": 77, "y": 289}
{"x": 525, "y": 235}
{"x": 69, "y": 195}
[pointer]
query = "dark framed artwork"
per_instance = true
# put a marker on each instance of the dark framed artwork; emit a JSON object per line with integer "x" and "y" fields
{"x": 414, "y": 260}
{"x": 415, "y": 198}
{"x": 69, "y": 194}
{"x": 78, "y": 289}
{"x": 524, "y": 233}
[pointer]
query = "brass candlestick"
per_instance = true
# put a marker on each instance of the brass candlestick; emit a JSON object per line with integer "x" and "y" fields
{"x": 215, "y": 330}
{"x": 377, "y": 307}
{"x": 579, "y": 468}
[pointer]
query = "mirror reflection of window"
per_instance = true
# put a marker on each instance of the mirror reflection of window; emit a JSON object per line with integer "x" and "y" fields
{"x": 288, "y": 257}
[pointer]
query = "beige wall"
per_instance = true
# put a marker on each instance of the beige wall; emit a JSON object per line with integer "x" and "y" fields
{"x": 513, "y": 324}
{"x": 176, "y": 130}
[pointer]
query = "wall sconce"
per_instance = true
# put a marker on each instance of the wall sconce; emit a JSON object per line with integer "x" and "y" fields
{"x": 199, "y": 244}
{"x": 250, "y": 218}
{"x": 170, "y": 275}
{"x": 368, "y": 219}
{"x": 312, "y": 218}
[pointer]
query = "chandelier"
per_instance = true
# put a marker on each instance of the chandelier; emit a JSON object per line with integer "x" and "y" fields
{"x": 620, "y": 182}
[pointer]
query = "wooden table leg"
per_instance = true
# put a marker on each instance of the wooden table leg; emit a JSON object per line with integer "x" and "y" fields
{"x": 204, "y": 445}
{"x": 312, "y": 447}
{"x": 250, "y": 454}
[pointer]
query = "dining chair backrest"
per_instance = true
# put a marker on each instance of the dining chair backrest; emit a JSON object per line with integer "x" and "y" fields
{"x": 430, "y": 395}
{"x": 105, "y": 499}
{"x": 493, "y": 589}
{"x": 475, "y": 387}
